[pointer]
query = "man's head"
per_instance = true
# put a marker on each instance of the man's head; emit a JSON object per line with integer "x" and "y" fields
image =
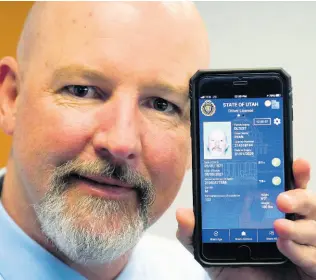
{"x": 217, "y": 143}
{"x": 97, "y": 104}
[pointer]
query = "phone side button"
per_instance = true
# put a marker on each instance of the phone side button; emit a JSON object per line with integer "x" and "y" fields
{"x": 243, "y": 253}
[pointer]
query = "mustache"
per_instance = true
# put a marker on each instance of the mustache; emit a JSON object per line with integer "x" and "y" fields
{"x": 63, "y": 174}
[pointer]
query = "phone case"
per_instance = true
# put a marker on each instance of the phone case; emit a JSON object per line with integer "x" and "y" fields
{"x": 193, "y": 94}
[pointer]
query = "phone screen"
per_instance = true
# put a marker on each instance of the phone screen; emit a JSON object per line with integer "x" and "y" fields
{"x": 241, "y": 164}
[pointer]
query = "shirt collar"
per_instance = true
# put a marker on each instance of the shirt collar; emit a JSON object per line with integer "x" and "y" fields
{"x": 23, "y": 258}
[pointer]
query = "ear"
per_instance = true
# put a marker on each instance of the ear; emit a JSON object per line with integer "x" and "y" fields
{"x": 8, "y": 93}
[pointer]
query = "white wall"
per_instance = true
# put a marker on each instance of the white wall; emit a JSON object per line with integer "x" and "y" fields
{"x": 263, "y": 34}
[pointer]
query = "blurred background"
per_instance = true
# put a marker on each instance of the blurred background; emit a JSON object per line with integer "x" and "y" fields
{"x": 242, "y": 35}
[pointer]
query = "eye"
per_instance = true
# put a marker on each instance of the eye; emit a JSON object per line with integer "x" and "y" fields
{"x": 163, "y": 105}
{"x": 82, "y": 91}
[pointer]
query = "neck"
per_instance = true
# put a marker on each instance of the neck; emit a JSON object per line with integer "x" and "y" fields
{"x": 22, "y": 213}
{"x": 105, "y": 272}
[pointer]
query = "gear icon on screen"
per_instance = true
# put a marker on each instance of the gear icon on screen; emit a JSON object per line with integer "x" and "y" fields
{"x": 277, "y": 121}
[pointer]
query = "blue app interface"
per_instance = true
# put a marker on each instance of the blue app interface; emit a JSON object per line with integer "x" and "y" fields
{"x": 242, "y": 168}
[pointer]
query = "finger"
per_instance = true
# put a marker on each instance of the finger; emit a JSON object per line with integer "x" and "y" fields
{"x": 302, "y": 202}
{"x": 301, "y": 231}
{"x": 301, "y": 172}
{"x": 185, "y": 218}
{"x": 301, "y": 255}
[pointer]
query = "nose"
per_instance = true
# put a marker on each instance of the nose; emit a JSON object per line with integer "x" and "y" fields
{"x": 118, "y": 134}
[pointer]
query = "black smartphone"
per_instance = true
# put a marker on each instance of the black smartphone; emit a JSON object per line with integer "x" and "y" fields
{"x": 241, "y": 130}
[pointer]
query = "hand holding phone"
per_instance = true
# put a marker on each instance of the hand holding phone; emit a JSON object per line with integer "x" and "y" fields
{"x": 297, "y": 241}
{"x": 241, "y": 129}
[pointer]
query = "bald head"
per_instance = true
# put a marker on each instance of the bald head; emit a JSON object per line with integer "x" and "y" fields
{"x": 159, "y": 24}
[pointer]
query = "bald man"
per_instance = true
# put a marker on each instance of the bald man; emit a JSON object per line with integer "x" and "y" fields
{"x": 217, "y": 145}
{"x": 97, "y": 104}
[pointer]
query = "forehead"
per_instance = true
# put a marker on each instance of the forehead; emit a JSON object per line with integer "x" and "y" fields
{"x": 121, "y": 41}
{"x": 217, "y": 135}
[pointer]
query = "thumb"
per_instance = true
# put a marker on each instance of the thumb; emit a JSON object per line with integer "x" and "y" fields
{"x": 301, "y": 171}
{"x": 186, "y": 221}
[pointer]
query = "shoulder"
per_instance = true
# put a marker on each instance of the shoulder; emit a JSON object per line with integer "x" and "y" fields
{"x": 2, "y": 171}
{"x": 160, "y": 258}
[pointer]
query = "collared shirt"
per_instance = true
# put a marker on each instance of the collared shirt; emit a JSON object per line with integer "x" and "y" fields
{"x": 22, "y": 258}
{"x": 153, "y": 258}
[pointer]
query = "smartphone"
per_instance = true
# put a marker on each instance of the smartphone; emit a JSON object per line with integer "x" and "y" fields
{"x": 241, "y": 130}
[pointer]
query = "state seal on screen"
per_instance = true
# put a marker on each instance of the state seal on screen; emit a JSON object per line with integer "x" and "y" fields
{"x": 208, "y": 108}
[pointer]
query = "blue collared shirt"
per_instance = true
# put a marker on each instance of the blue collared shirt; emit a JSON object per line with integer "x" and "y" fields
{"x": 22, "y": 258}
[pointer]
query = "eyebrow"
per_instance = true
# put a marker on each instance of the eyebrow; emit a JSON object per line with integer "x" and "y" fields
{"x": 163, "y": 87}
{"x": 81, "y": 71}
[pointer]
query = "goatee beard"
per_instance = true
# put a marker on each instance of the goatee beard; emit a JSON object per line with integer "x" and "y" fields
{"x": 93, "y": 230}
